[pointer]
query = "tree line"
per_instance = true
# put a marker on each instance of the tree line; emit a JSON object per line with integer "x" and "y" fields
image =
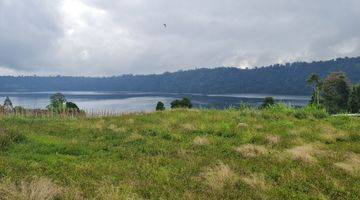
{"x": 276, "y": 79}
{"x": 335, "y": 93}
{"x": 58, "y": 105}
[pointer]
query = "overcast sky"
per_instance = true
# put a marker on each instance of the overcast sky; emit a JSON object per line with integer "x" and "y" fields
{"x": 112, "y": 37}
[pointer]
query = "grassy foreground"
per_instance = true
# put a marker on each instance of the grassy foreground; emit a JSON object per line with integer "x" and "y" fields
{"x": 278, "y": 153}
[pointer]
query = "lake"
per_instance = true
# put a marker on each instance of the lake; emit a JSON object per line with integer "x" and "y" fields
{"x": 122, "y": 102}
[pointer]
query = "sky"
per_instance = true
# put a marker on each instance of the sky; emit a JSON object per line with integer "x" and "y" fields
{"x": 113, "y": 37}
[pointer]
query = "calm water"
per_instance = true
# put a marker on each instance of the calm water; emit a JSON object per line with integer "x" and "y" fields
{"x": 135, "y": 102}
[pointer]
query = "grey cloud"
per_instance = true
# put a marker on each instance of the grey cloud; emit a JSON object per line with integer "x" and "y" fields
{"x": 106, "y": 37}
{"x": 28, "y": 30}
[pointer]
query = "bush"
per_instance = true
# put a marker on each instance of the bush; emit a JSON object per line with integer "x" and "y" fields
{"x": 268, "y": 101}
{"x": 72, "y": 106}
{"x": 160, "y": 106}
{"x": 354, "y": 100}
{"x": 184, "y": 103}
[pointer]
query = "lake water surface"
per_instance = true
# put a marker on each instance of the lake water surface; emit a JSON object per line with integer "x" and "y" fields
{"x": 120, "y": 102}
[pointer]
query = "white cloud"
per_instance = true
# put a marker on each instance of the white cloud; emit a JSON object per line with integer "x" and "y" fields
{"x": 107, "y": 37}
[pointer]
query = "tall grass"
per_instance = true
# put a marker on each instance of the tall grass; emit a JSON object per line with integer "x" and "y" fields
{"x": 246, "y": 153}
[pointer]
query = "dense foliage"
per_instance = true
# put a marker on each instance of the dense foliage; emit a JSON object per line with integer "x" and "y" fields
{"x": 335, "y": 92}
{"x": 354, "y": 101}
{"x": 275, "y": 79}
{"x": 268, "y": 101}
{"x": 160, "y": 106}
{"x": 183, "y": 103}
{"x": 58, "y": 103}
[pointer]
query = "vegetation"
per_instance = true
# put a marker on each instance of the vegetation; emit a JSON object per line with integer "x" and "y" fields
{"x": 335, "y": 92}
{"x": 273, "y": 153}
{"x": 354, "y": 101}
{"x": 160, "y": 106}
{"x": 58, "y": 107}
{"x": 184, "y": 103}
{"x": 276, "y": 79}
{"x": 268, "y": 101}
{"x": 315, "y": 80}
{"x": 72, "y": 106}
{"x": 59, "y": 104}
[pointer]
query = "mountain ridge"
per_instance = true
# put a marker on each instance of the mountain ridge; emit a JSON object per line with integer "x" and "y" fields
{"x": 288, "y": 78}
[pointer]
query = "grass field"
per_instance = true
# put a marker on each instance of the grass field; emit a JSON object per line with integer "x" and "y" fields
{"x": 278, "y": 153}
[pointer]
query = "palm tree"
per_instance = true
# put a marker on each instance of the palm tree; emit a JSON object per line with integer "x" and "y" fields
{"x": 314, "y": 80}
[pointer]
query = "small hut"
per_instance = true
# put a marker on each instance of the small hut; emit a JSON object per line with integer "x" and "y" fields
{"x": 8, "y": 107}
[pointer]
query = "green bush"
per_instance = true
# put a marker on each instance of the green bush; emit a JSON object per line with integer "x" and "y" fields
{"x": 354, "y": 100}
{"x": 184, "y": 103}
{"x": 268, "y": 101}
{"x": 160, "y": 106}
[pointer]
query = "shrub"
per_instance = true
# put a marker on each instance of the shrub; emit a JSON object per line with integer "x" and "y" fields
{"x": 160, "y": 106}
{"x": 354, "y": 100}
{"x": 57, "y": 102}
{"x": 268, "y": 101}
{"x": 184, "y": 103}
{"x": 72, "y": 106}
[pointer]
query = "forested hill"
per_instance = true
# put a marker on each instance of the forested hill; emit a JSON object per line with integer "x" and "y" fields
{"x": 275, "y": 79}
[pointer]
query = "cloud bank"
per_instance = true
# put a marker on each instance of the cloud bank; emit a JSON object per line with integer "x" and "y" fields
{"x": 111, "y": 37}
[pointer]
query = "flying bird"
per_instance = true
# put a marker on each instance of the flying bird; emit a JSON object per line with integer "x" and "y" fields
{"x": 165, "y": 25}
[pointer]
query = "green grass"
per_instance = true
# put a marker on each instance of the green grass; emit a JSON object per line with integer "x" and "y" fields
{"x": 278, "y": 153}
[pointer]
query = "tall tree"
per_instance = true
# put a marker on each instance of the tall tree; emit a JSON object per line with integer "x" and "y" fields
{"x": 57, "y": 101}
{"x": 315, "y": 81}
{"x": 335, "y": 92}
{"x": 354, "y": 101}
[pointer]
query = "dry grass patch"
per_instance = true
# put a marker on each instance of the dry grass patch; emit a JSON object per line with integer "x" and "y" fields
{"x": 99, "y": 125}
{"x": 251, "y": 150}
{"x": 256, "y": 181}
{"x": 189, "y": 127}
{"x": 272, "y": 139}
{"x": 242, "y": 125}
{"x": 298, "y": 131}
{"x": 201, "y": 141}
{"x": 130, "y": 121}
{"x": 111, "y": 192}
{"x": 116, "y": 129}
{"x": 134, "y": 137}
{"x": 303, "y": 153}
{"x": 37, "y": 189}
{"x": 219, "y": 176}
{"x": 351, "y": 164}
